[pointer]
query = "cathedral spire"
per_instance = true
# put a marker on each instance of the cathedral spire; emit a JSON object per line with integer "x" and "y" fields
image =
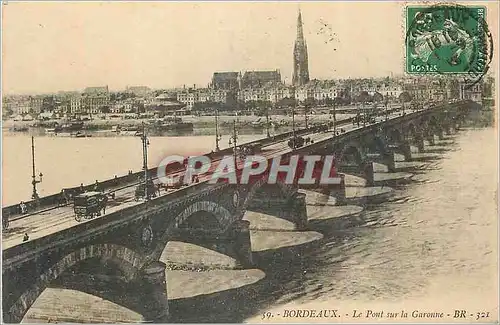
{"x": 300, "y": 32}
{"x": 300, "y": 60}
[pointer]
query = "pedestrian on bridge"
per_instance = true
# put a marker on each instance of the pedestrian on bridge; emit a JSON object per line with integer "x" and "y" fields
{"x": 103, "y": 204}
{"x": 26, "y": 237}
{"x": 64, "y": 198}
{"x": 82, "y": 188}
{"x": 23, "y": 207}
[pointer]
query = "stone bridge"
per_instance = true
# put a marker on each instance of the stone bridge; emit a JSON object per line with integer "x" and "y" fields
{"x": 122, "y": 250}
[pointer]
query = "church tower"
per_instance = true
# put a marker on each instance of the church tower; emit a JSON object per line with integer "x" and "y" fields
{"x": 300, "y": 62}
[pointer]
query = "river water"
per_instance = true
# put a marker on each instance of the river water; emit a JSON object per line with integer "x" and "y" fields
{"x": 67, "y": 162}
{"x": 432, "y": 245}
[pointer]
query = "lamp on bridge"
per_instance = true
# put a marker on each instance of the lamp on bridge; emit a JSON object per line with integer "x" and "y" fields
{"x": 306, "y": 110}
{"x": 217, "y": 135}
{"x": 293, "y": 116}
{"x": 267, "y": 110}
{"x": 334, "y": 116}
{"x": 364, "y": 113}
{"x": 145, "y": 144}
{"x": 34, "y": 181}
{"x": 233, "y": 141}
{"x": 268, "y": 121}
{"x": 332, "y": 119}
{"x": 386, "y": 108}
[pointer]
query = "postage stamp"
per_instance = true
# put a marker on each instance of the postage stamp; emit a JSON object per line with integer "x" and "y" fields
{"x": 448, "y": 39}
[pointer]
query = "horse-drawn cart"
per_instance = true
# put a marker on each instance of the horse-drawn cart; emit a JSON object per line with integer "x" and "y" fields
{"x": 89, "y": 205}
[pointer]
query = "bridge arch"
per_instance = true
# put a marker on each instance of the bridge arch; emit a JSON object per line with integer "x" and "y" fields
{"x": 216, "y": 216}
{"x": 395, "y": 135}
{"x": 286, "y": 190}
{"x": 350, "y": 154}
{"x": 222, "y": 215}
{"x": 129, "y": 261}
{"x": 412, "y": 131}
{"x": 433, "y": 124}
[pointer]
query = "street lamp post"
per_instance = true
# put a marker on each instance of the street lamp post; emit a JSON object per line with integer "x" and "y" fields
{"x": 334, "y": 117}
{"x": 364, "y": 113}
{"x": 233, "y": 140}
{"x": 293, "y": 117}
{"x": 217, "y": 135}
{"x": 145, "y": 144}
{"x": 34, "y": 181}
{"x": 267, "y": 122}
{"x": 386, "y": 108}
{"x": 267, "y": 110}
{"x": 330, "y": 115}
{"x": 358, "y": 115}
{"x": 403, "y": 100}
{"x": 306, "y": 117}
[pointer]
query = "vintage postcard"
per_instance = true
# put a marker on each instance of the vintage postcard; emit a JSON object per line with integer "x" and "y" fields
{"x": 249, "y": 162}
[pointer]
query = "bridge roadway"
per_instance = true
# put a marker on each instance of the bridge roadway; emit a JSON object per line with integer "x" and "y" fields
{"x": 53, "y": 220}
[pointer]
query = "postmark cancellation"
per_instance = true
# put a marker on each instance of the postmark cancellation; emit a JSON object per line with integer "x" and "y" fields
{"x": 448, "y": 39}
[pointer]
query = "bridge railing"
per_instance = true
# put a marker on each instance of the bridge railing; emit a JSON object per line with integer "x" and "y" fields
{"x": 25, "y": 250}
{"x": 49, "y": 201}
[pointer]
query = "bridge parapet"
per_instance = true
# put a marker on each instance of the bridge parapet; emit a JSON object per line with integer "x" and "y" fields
{"x": 88, "y": 230}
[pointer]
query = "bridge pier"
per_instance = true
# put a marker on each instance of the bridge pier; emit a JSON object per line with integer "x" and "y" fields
{"x": 293, "y": 209}
{"x": 405, "y": 150}
{"x": 419, "y": 142}
{"x": 440, "y": 134}
{"x": 235, "y": 242}
{"x": 388, "y": 160}
{"x": 339, "y": 191}
{"x": 298, "y": 211}
{"x": 369, "y": 174}
{"x": 430, "y": 139}
{"x": 365, "y": 170}
{"x": 154, "y": 284}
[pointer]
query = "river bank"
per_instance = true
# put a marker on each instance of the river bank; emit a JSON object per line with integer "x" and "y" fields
{"x": 199, "y": 122}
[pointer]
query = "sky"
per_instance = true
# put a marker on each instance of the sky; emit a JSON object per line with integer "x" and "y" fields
{"x": 48, "y": 47}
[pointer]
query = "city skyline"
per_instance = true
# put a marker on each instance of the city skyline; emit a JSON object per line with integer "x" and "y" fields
{"x": 129, "y": 44}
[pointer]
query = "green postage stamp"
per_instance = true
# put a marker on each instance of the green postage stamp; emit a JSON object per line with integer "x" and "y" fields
{"x": 447, "y": 39}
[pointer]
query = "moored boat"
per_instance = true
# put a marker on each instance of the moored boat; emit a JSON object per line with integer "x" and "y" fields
{"x": 172, "y": 124}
